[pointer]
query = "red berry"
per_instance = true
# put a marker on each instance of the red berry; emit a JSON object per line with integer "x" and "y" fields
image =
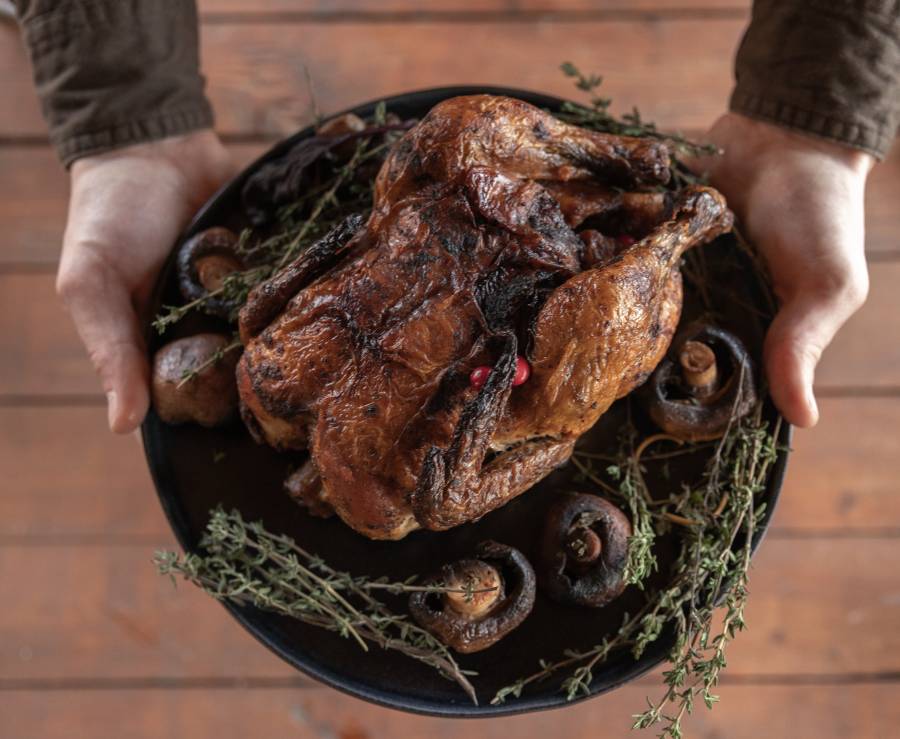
{"x": 523, "y": 371}
{"x": 479, "y": 376}
{"x": 626, "y": 240}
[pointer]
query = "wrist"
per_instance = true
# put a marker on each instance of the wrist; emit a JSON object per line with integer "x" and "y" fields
{"x": 194, "y": 163}
{"x": 768, "y": 140}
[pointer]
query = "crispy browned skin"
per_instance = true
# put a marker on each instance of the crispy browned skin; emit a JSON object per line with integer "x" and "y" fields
{"x": 361, "y": 350}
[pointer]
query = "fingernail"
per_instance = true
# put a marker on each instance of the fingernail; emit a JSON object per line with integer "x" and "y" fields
{"x": 111, "y": 408}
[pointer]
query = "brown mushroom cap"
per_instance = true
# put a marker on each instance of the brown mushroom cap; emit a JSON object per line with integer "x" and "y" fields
{"x": 583, "y": 550}
{"x": 203, "y": 263}
{"x": 475, "y": 622}
{"x": 705, "y": 382}
{"x": 210, "y": 397}
{"x": 341, "y": 126}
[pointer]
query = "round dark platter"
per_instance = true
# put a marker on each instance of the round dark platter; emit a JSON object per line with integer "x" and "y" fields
{"x": 197, "y": 469}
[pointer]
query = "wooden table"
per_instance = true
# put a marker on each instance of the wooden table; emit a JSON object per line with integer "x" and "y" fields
{"x": 93, "y": 643}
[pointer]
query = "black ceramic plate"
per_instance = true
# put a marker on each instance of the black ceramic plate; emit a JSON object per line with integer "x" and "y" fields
{"x": 248, "y": 477}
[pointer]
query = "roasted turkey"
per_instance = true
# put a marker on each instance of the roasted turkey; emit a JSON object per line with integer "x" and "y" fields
{"x": 498, "y": 233}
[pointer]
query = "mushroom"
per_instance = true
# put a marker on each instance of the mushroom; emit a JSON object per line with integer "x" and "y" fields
{"x": 341, "y": 126}
{"x": 704, "y": 384}
{"x": 583, "y": 550}
{"x": 193, "y": 380}
{"x": 487, "y": 598}
{"x": 204, "y": 261}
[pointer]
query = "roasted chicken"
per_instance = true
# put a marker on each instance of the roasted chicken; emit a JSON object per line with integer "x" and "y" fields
{"x": 498, "y": 233}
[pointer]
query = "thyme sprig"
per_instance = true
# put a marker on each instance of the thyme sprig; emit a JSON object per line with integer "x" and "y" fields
{"x": 298, "y": 226}
{"x": 244, "y": 563}
{"x": 597, "y": 117}
{"x": 214, "y": 358}
{"x": 712, "y": 520}
{"x": 706, "y": 570}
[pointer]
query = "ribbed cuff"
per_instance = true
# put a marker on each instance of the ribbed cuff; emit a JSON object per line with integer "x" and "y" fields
{"x": 76, "y": 145}
{"x": 854, "y": 134}
{"x": 828, "y": 69}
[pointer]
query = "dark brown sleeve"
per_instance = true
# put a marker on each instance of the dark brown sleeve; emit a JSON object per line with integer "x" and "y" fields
{"x": 828, "y": 68}
{"x": 110, "y": 73}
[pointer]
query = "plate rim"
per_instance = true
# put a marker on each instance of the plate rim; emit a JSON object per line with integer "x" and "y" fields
{"x": 262, "y": 632}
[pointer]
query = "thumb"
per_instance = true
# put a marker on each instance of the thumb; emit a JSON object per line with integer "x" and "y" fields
{"x": 106, "y": 321}
{"x": 802, "y": 329}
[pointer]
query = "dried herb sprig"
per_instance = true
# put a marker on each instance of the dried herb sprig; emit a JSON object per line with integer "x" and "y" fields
{"x": 246, "y": 564}
{"x": 706, "y": 571}
{"x": 597, "y": 117}
{"x": 214, "y": 358}
{"x": 627, "y": 484}
{"x": 242, "y": 562}
{"x": 298, "y": 225}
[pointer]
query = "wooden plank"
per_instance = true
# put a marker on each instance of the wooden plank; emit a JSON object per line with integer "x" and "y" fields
{"x": 843, "y": 473}
{"x": 20, "y": 114}
{"x": 866, "y": 352}
{"x": 33, "y": 197}
{"x": 746, "y": 712}
{"x": 41, "y": 351}
{"x": 97, "y": 486}
{"x": 330, "y": 8}
{"x": 882, "y": 196}
{"x": 258, "y": 85}
{"x": 257, "y": 82}
{"x": 818, "y": 607}
{"x": 44, "y": 357}
{"x": 34, "y": 190}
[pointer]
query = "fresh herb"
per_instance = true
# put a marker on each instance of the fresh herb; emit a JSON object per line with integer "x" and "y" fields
{"x": 597, "y": 117}
{"x": 298, "y": 225}
{"x": 214, "y": 358}
{"x": 722, "y": 514}
{"x": 713, "y": 519}
{"x": 243, "y": 563}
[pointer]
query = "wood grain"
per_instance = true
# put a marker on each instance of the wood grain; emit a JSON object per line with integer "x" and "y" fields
{"x": 76, "y": 482}
{"x": 44, "y": 356}
{"x": 33, "y": 197}
{"x": 818, "y": 607}
{"x": 34, "y": 189}
{"x": 865, "y": 711}
{"x": 882, "y": 213}
{"x": 74, "y": 479}
{"x": 866, "y": 352}
{"x": 79, "y": 519}
{"x": 258, "y": 86}
{"x": 330, "y": 8}
{"x": 842, "y": 476}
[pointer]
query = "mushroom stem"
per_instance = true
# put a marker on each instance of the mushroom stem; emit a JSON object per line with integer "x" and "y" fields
{"x": 583, "y": 545}
{"x": 473, "y": 589}
{"x": 698, "y": 368}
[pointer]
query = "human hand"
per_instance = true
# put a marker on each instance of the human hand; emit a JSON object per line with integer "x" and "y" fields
{"x": 126, "y": 209}
{"x": 800, "y": 201}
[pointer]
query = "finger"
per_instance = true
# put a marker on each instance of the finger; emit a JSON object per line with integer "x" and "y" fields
{"x": 104, "y": 316}
{"x": 801, "y": 331}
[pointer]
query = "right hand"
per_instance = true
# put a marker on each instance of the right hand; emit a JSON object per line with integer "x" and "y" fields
{"x": 126, "y": 209}
{"x": 800, "y": 200}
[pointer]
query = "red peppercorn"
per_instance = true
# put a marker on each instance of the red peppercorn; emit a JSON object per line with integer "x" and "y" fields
{"x": 523, "y": 371}
{"x": 479, "y": 376}
{"x": 626, "y": 240}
